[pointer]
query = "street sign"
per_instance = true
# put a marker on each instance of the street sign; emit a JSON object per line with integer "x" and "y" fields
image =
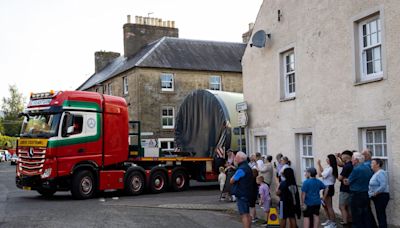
{"x": 242, "y": 106}
{"x": 242, "y": 119}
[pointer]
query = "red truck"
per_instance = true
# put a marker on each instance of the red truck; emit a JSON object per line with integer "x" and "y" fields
{"x": 78, "y": 141}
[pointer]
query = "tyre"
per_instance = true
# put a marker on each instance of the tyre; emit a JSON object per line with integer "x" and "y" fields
{"x": 180, "y": 180}
{"x": 46, "y": 192}
{"x": 134, "y": 183}
{"x": 158, "y": 182}
{"x": 83, "y": 185}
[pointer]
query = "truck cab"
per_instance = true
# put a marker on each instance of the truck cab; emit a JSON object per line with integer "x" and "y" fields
{"x": 62, "y": 141}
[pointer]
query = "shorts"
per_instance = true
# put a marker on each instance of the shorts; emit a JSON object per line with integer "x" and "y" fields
{"x": 286, "y": 212}
{"x": 331, "y": 190}
{"x": 344, "y": 198}
{"x": 243, "y": 205}
{"x": 311, "y": 210}
{"x": 252, "y": 202}
{"x": 266, "y": 205}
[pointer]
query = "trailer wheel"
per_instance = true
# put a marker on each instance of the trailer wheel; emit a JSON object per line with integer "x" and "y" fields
{"x": 83, "y": 185}
{"x": 158, "y": 182}
{"x": 180, "y": 180}
{"x": 134, "y": 183}
{"x": 46, "y": 192}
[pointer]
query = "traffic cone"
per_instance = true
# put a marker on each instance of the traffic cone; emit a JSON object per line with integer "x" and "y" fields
{"x": 273, "y": 219}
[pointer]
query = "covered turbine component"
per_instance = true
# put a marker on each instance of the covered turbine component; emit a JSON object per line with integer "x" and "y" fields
{"x": 205, "y": 121}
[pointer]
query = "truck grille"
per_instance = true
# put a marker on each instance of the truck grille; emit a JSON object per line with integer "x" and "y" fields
{"x": 31, "y": 160}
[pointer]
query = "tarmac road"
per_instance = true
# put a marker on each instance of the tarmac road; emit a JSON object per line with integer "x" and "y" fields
{"x": 197, "y": 207}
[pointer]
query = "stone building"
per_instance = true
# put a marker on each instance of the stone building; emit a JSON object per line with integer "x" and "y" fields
{"x": 326, "y": 80}
{"x": 159, "y": 69}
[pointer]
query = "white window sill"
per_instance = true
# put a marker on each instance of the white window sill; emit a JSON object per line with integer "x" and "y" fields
{"x": 368, "y": 81}
{"x": 287, "y": 99}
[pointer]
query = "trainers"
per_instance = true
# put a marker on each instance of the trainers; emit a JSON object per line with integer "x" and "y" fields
{"x": 264, "y": 224}
{"x": 326, "y": 223}
{"x": 330, "y": 225}
{"x": 254, "y": 220}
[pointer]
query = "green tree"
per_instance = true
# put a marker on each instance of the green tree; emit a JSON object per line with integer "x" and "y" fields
{"x": 11, "y": 107}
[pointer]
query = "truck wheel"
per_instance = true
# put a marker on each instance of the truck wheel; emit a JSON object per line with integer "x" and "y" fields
{"x": 83, "y": 185}
{"x": 180, "y": 180}
{"x": 134, "y": 183}
{"x": 46, "y": 192}
{"x": 158, "y": 182}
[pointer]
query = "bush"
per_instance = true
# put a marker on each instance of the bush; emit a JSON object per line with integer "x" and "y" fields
{"x": 7, "y": 142}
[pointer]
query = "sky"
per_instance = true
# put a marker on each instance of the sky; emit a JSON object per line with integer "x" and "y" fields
{"x": 49, "y": 44}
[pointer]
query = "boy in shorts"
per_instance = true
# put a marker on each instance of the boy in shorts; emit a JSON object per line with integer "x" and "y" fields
{"x": 310, "y": 198}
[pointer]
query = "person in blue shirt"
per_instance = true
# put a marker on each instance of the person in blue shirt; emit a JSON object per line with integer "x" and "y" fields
{"x": 242, "y": 187}
{"x": 359, "y": 199}
{"x": 310, "y": 198}
{"x": 379, "y": 191}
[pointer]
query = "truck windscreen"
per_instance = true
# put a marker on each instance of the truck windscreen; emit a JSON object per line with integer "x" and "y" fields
{"x": 40, "y": 125}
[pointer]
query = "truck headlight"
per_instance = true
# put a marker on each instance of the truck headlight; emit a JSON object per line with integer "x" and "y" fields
{"x": 46, "y": 174}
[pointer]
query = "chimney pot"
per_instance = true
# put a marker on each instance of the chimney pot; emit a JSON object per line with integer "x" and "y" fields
{"x": 129, "y": 19}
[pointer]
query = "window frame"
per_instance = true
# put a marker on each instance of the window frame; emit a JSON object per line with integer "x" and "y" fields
{"x": 304, "y": 158}
{"x": 104, "y": 88}
{"x": 364, "y": 76}
{"x": 170, "y": 81}
{"x": 168, "y": 116}
{"x": 125, "y": 85}
{"x": 169, "y": 141}
{"x": 261, "y": 147}
{"x": 385, "y": 147}
{"x": 284, "y": 74}
{"x": 110, "y": 89}
{"x": 219, "y": 84}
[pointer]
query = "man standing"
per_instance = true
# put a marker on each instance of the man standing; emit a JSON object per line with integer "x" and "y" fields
{"x": 242, "y": 187}
{"x": 344, "y": 194}
{"x": 359, "y": 199}
{"x": 368, "y": 157}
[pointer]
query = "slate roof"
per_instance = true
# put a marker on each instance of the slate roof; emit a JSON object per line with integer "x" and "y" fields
{"x": 176, "y": 53}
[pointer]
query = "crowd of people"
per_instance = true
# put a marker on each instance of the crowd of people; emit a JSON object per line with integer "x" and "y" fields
{"x": 362, "y": 178}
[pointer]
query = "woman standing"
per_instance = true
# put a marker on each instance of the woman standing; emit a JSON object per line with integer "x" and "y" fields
{"x": 379, "y": 191}
{"x": 329, "y": 175}
{"x": 289, "y": 205}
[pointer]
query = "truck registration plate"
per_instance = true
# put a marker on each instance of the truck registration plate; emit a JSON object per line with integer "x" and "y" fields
{"x": 26, "y": 188}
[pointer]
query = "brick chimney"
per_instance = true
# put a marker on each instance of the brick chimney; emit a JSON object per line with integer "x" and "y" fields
{"x": 103, "y": 58}
{"x": 246, "y": 36}
{"x": 144, "y": 31}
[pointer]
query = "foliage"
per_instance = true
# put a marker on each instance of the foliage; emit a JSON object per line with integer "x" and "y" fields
{"x": 7, "y": 142}
{"x": 11, "y": 107}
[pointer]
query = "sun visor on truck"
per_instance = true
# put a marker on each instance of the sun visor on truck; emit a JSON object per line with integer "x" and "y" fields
{"x": 205, "y": 121}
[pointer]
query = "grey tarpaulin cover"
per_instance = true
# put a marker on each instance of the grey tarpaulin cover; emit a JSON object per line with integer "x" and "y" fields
{"x": 205, "y": 119}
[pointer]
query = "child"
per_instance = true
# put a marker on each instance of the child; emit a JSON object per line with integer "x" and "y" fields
{"x": 265, "y": 198}
{"x": 310, "y": 198}
{"x": 221, "y": 180}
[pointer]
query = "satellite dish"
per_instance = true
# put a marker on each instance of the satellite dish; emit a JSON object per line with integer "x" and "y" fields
{"x": 259, "y": 39}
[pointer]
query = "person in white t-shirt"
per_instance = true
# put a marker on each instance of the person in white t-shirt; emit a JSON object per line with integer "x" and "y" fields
{"x": 329, "y": 175}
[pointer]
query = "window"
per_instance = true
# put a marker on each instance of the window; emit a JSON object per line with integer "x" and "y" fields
{"x": 97, "y": 90}
{"x": 215, "y": 83}
{"x": 167, "y": 118}
{"x": 166, "y": 144}
{"x": 104, "y": 88}
{"x": 288, "y": 75}
{"x": 110, "y": 89}
{"x": 167, "y": 82}
{"x": 262, "y": 144}
{"x": 368, "y": 47}
{"x": 125, "y": 84}
{"x": 375, "y": 140}
{"x": 306, "y": 151}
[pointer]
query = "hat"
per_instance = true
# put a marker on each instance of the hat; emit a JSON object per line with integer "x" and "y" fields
{"x": 312, "y": 171}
